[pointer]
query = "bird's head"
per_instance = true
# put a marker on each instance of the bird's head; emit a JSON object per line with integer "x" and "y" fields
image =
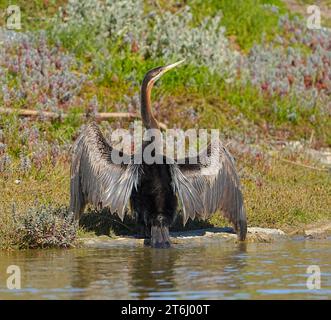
{"x": 155, "y": 74}
{"x": 150, "y": 78}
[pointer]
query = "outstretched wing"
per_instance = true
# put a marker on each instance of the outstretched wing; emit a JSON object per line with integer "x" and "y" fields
{"x": 96, "y": 178}
{"x": 214, "y": 177}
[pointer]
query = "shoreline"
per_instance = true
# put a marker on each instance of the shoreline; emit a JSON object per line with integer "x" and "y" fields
{"x": 207, "y": 236}
{"x": 197, "y": 237}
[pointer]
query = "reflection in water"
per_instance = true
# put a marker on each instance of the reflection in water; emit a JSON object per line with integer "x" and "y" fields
{"x": 156, "y": 275}
{"x": 213, "y": 271}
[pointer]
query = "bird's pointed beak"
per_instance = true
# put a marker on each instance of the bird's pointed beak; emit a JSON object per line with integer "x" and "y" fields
{"x": 171, "y": 66}
{"x": 167, "y": 68}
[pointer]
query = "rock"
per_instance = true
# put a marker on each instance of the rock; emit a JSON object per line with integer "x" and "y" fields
{"x": 272, "y": 232}
{"x": 190, "y": 238}
{"x": 318, "y": 231}
{"x": 256, "y": 234}
{"x": 323, "y": 156}
{"x": 101, "y": 242}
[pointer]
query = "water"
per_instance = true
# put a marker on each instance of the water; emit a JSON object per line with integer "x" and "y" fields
{"x": 213, "y": 271}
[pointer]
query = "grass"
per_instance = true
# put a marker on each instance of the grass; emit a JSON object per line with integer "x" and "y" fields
{"x": 34, "y": 14}
{"x": 245, "y": 21}
{"x": 287, "y": 196}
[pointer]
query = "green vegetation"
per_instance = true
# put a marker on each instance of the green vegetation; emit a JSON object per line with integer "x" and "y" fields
{"x": 245, "y": 21}
{"x": 35, "y": 14}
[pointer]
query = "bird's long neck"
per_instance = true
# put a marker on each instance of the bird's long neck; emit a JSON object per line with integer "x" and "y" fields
{"x": 147, "y": 116}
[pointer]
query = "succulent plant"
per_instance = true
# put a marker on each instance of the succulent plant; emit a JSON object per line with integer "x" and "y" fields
{"x": 36, "y": 74}
{"x": 297, "y": 64}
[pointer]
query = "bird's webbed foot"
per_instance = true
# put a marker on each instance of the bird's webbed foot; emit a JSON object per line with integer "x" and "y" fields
{"x": 160, "y": 237}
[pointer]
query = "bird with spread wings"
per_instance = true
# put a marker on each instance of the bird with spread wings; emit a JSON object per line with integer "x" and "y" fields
{"x": 154, "y": 193}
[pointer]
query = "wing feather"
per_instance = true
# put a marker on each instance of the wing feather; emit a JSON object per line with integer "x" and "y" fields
{"x": 216, "y": 182}
{"x": 187, "y": 194}
{"x": 95, "y": 178}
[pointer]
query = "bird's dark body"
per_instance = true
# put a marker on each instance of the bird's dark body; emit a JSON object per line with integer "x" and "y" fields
{"x": 154, "y": 203}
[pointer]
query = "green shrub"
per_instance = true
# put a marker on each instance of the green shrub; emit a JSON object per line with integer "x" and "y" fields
{"x": 46, "y": 227}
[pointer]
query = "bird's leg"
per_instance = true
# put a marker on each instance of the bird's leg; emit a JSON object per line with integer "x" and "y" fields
{"x": 241, "y": 229}
{"x": 143, "y": 230}
{"x": 160, "y": 237}
{"x": 140, "y": 232}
